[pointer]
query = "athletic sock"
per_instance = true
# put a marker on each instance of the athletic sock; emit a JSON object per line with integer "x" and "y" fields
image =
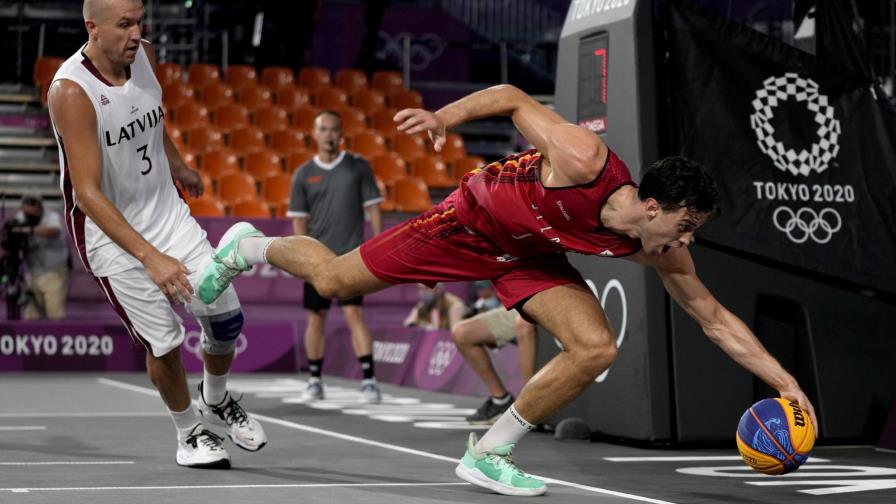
{"x": 214, "y": 387}
{"x": 366, "y": 362}
{"x": 501, "y": 401}
{"x": 184, "y": 421}
{"x": 254, "y": 248}
{"x": 314, "y": 367}
{"x": 510, "y": 428}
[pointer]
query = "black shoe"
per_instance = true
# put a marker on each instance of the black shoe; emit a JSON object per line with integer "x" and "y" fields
{"x": 489, "y": 411}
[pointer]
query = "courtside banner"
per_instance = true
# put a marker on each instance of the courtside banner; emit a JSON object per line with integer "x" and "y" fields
{"x": 804, "y": 155}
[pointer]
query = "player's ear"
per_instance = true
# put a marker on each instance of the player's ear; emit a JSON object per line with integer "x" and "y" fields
{"x": 652, "y": 207}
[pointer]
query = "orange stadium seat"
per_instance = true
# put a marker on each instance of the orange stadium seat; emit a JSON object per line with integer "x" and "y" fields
{"x": 219, "y": 162}
{"x": 216, "y": 94}
{"x": 276, "y": 77}
{"x": 285, "y": 140}
{"x": 326, "y": 97}
{"x": 351, "y": 80}
{"x": 207, "y": 206}
{"x": 405, "y": 98}
{"x": 191, "y": 115}
{"x": 176, "y": 135}
{"x": 369, "y": 100}
{"x": 240, "y": 76}
{"x": 45, "y": 68}
{"x": 297, "y": 159}
{"x": 368, "y": 143}
{"x": 387, "y": 81}
{"x": 462, "y": 166}
{"x": 263, "y": 164}
{"x": 208, "y": 186}
{"x": 433, "y": 171}
{"x": 277, "y": 188}
{"x": 353, "y": 120}
{"x": 236, "y": 187}
{"x": 254, "y": 96}
{"x": 204, "y": 137}
{"x": 168, "y": 73}
{"x": 382, "y": 121}
{"x": 252, "y": 208}
{"x": 190, "y": 157}
{"x": 271, "y": 119}
{"x": 387, "y": 205}
{"x": 293, "y": 97}
{"x": 388, "y": 167}
{"x": 409, "y": 147}
{"x": 303, "y": 118}
{"x": 175, "y": 94}
{"x": 411, "y": 195}
{"x": 314, "y": 77}
{"x": 203, "y": 74}
{"x": 453, "y": 148}
{"x": 231, "y": 116}
{"x": 247, "y": 139}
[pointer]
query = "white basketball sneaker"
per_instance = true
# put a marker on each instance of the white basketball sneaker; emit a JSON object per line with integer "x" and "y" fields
{"x": 241, "y": 427}
{"x": 202, "y": 449}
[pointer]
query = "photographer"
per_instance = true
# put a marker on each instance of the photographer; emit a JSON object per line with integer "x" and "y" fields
{"x": 46, "y": 257}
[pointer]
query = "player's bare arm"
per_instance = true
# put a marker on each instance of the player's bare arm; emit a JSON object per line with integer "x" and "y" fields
{"x": 75, "y": 120}
{"x": 729, "y": 332}
{"x": 572, "y": 155}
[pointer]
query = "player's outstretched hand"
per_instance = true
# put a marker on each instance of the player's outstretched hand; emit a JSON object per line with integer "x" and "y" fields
{"x": 801, "y": 399}
{"x": 189, "y": 180}
{"x": 413, "y": 121}
{"x": 170, "y": 275}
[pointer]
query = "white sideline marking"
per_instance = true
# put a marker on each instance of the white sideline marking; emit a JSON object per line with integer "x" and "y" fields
{"x": 455, "y": 425}
{"x": 386, "y": 446}
{"x": 92, "y": 414}
{"x": 69, "y": 462}
{"x": 22, "y": 427}
{"x": 217, "y": 487}
{"x": 695, "y": 458}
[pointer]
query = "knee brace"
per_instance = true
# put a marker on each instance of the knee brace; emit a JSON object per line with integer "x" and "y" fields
{"x": 220, "y": 332}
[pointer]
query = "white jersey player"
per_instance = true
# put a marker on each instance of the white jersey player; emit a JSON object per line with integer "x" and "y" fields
{"x": 133, "y": 231}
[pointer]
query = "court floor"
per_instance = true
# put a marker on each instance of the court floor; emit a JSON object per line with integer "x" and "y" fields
{"x": 69, "y": 438}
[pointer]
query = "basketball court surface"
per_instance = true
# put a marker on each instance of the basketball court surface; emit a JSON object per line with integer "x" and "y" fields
{"x": 69, "y": 438}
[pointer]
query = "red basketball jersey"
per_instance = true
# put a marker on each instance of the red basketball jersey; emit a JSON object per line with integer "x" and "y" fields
{"x": 506, "y": 202}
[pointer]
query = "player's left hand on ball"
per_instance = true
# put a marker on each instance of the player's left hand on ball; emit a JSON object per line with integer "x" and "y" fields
{"x": 801, "y": 399}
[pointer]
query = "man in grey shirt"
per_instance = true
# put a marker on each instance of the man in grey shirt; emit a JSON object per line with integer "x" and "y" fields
{"x": 46, "y": 259}
{"x": 330, "y": 194}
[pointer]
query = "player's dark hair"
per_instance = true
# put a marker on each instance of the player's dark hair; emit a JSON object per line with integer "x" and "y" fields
{"x": 332, "y": 113}
{"x": 677, "y": 182}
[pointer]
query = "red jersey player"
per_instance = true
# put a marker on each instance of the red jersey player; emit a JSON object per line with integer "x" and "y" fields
{"x": 511, "y": 222}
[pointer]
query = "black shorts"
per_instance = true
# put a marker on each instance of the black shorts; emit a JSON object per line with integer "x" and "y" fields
{"x": 311, "y": 300}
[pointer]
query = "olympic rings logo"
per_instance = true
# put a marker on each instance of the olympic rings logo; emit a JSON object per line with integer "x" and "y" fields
{"x": 441, "y": 357}
{"x": 193, "y": 343}
{"x": 803, "y": 224}
{"x": 424, "y": 48}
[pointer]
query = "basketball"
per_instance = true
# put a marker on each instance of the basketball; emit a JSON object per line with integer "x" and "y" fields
{"x": 775, "y": 436}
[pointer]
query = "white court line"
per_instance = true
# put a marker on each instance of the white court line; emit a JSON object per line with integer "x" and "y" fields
{"x": 228, "y": 487}
{"x": 70, "y": 462}
{"x": 91, "y": 414}
{"x": 695, "y": 458}
{"x": 22, "y": 427}
{"x": 386, "y": 446}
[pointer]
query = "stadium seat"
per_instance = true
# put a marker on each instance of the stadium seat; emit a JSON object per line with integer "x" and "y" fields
{"x": 409, "y": 147}
{"x": 252, "y": 208}
{"x": 351, "y": 80}
{"x": 326, "y": 97}
{"x": 314, "y": 77}
{"x": 216, "y": 94}
{"x": 203, "y": 74}
{"x": 169, "y": 73}
{"x": 175, "y": 94}
{"x": 271, "y": 119}
{"x": 207, "y": 206}
{"x": 239, "y": 76}
{"x": 276, "y": 77}
{"x": 297, "y": 159}
{"x": 293, "y": 97}
{"x": 462, "y": 166}
{"x": 263, "y": 164}
{"x": 177, "y": 136}
{"x": 388, "y": 167}
{"x": 302, "y": 118}
{"x": 387, "y": 205}
{"x": 219, "y": 162}
{"x": 45, "y": 68}
{"x": 204, "y": 137}
{"x": 190, "y": 157}
{"x": 231, "y": 116}
{"x": 208, "y": 186}
{"x": 368, "y": 144}
{"x": 277, "y": 188}
{"x": 433, "y": 171}
{"x": 368, "y": 100}
{"x": 382, "y": 121}
{"x": 285, "y": 140}
{"x": 453, "y": 147}
{"x": 387, "y": 81}
{"x": 405, "y": 98}
{"x": 191, "y": 115}
{"x": 410, "y": 194}
{"x": 254, "y": 96}
{"x": 247, "y": 139}
{"x": 353, "y": 120}
{"x": 236, "y": 187}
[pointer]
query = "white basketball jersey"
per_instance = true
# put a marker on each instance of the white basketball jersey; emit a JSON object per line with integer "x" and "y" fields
{"x": 136, "y": 175}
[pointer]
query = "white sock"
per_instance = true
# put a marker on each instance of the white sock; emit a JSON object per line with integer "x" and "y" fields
{"x": 254, "y": 248}
{"x": 510, "y": 428}
{"x": 184, "y": 421}
{"x": 501, "y": 401}
{"x": 214, "y": 387}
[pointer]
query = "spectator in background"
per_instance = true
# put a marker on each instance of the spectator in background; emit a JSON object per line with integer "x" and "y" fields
{"x": 436, "y": 309}
{"x": 46, "y": 258}
{"x": 330, "y": 194}
{"x": 486, "y": 298}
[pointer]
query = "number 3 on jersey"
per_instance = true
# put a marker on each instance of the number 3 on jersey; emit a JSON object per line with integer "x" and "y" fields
{"x": 142, "y": 150}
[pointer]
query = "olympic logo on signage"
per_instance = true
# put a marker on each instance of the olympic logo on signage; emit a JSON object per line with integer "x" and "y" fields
{"x": 424, "y": 48}
{"x": 778, "y": 89}
{"x": 441, "y": 357}
{"x": 193, "y": 343}
{"x": 805, "y": 223}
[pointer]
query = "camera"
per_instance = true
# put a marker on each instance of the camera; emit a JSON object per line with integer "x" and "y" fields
{"x": 14, "y": 243}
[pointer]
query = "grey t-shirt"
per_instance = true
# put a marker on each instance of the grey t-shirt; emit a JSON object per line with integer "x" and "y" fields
{"x": 333, "y": 196}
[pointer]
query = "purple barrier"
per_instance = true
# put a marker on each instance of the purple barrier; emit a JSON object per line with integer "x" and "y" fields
{"x": 261, "y": 347}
